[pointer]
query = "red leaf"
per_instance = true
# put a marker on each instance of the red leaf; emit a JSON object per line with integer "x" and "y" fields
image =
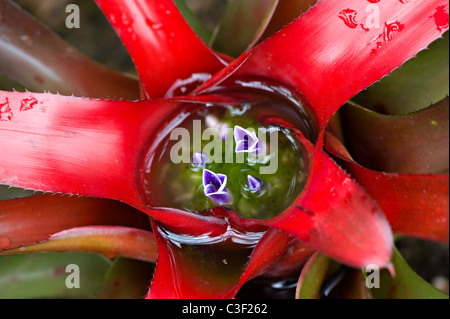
{"x": 334, "y": 215}
{"x": 329, "y": 62}
{"x": 162, "y": 45}
{"x": 28, "y": 220}
{"x": 77, "y": 145}
{"x": 414, "y": 204}
{"x": 266, "y": 254}
{"x": 294, "y": 258}
{"x": 184, "y": 222}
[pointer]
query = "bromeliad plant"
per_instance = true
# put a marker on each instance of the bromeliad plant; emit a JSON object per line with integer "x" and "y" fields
{"x": 215, "y": 222}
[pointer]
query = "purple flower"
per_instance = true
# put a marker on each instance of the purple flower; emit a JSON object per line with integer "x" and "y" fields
{"x": 214, "y": 186}
{"x": 254, "y": 184}
{"x": 246, "y": 141}
{"x": 199, "y": 159}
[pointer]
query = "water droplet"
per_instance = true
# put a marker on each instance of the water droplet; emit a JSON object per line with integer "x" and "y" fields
{"x": 113, "y": 19}
{"x": 349, "y": 17}
{"x": 441, "y": 18}
{"x": 153, "y": 25}
{"x": 390, "y": 28}
{"x": 126, "y": 21}
{"x": 184, "y": 86}
{"x": 28, "y": 104}
{"x": 26, "y": 39}
{"x": 5, "y": 111}
{"x": 373, "y": 1}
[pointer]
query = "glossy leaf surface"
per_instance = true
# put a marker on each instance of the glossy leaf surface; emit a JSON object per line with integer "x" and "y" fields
{"x": 162, "y": 45}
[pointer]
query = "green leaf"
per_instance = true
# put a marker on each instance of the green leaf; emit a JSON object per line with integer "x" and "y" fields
{"x": 7, "y": 192}
{"x": 44, "y": 275}
{"x": 418, "y": 83}
{"x": 415, "y": 143}
{"x": 406, "y": 284}
{"x": 285, "y": 13}
{"x": 313, "y": 276}
{"x": 193, "y": 21}
{"x": 127, "y": 279}
{"x": 242, "y": 24}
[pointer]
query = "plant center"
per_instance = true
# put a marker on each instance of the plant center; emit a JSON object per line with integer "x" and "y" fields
{"x": 228, "y": 155}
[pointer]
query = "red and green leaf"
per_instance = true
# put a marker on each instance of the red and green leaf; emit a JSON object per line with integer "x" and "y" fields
{"x": 419, "y": 83}
{"x": 33, "y": 219}
{"x": 37, "y": 58}
{"x": 109, "y": 241}
{"x": 415, "y": 143}
{"x": 414, "y": 204}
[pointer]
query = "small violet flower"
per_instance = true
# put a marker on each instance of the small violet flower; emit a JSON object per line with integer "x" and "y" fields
{"x": 254, "y": 184}
{"x": 246, "y": 141}
{"x": 199, "y": 159}
{"x": 214, "y": 186}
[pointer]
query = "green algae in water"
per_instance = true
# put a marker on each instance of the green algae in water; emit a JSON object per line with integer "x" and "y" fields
{"x": 280, "y": 165}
